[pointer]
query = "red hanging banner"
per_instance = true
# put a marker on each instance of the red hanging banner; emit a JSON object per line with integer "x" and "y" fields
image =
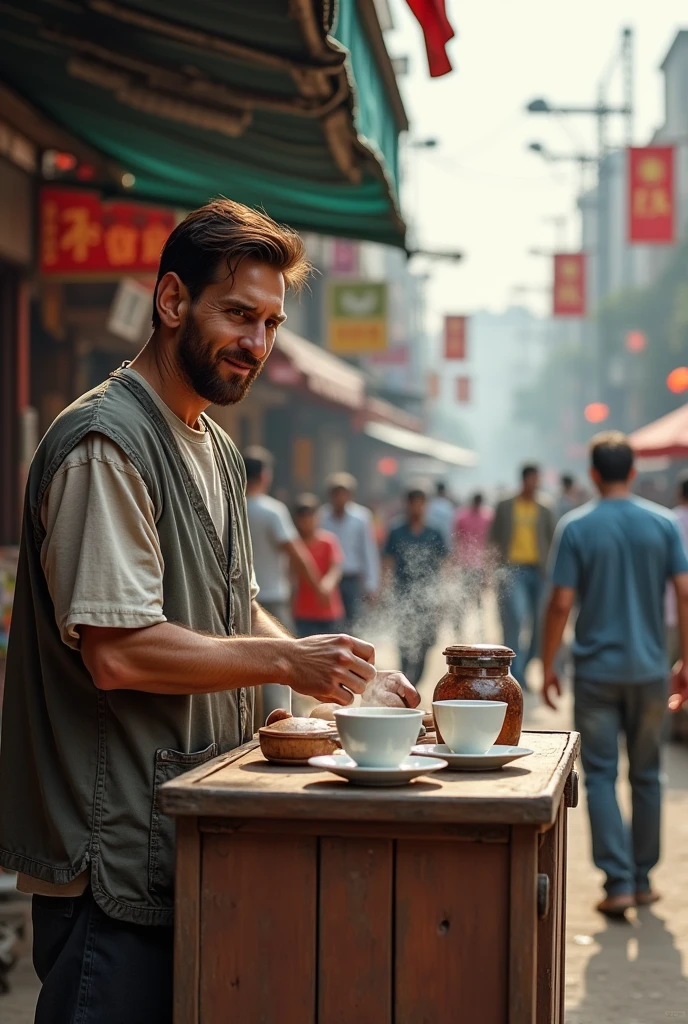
{"x": 651, "y": 203}
{"x": 568, "y": 293}
{"x": 463, "y": 389}
{"x": 82, "y": 234}
{"x": 455, "y": 337}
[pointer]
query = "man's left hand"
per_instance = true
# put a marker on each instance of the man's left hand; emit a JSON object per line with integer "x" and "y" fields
{"x": 392, "y": 689}
{"x": 551, "y": 686}
{"x": 679, "y": 686}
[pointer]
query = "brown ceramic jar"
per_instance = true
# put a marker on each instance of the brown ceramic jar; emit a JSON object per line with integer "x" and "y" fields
{"x": 482, "y": 672}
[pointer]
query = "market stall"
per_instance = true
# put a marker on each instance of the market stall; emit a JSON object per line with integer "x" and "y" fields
{"x": 302, "y": 899}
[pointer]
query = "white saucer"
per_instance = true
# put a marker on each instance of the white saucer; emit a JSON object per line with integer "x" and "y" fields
{"x": 410, "y": 768}
{"x": 496, "y": 757}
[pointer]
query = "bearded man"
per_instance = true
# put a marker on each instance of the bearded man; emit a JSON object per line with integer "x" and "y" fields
{"x": 137, "y": 640}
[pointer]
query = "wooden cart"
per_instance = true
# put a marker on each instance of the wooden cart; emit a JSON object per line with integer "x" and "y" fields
{"x": 302, "y": 899}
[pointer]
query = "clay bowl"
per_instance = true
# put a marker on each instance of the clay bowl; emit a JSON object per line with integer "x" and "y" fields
{"x": 291, "y": 741}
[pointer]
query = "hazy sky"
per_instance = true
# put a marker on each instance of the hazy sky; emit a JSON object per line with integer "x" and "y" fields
{"x": 481, "y": 191}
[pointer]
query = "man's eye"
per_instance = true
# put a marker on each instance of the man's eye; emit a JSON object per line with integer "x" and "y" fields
{"x": 237, "y": 312}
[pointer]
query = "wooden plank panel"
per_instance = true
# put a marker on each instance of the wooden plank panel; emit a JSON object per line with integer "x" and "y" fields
{"x": 258, "y": 929}
{"x": 547, "y": 944}
{"x": 451, "y": 931}
{"x": 187, "y": 922}
{"x": 528, "y": 792}
{"x": 360, "y": 829}
{"x": 523, "y": 926}
{"x": 355, "y": 931}
{"x": 563, "y": 859}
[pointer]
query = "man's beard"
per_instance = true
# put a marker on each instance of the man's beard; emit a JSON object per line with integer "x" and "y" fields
{"x": 201, "y": 368}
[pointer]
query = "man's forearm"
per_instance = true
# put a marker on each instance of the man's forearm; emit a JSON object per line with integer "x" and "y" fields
{"x": 265, "y": 625}
{"x": 167, "y": 658}
{"x": 682, "y": 616}
{"x": 555, "y": 624}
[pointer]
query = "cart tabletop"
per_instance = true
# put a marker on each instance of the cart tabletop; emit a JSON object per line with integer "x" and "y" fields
{"x": 241, "y": 783}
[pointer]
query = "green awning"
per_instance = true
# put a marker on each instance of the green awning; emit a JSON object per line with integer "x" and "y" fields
{"x": 253, "y": 99}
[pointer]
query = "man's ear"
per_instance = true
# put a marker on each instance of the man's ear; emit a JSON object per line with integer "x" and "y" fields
{"x": 595, "y": 476}
{"x": 633, "y": 474}
{"x": 172, "y": 300}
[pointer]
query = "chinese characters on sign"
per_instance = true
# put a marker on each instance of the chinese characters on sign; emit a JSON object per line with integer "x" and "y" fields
{"x": 651, "y": 194}
{"x": 84, "y": 234}
{"x": 357, "y": 317}
{"x": 569, "y": 284}
{"x": 455, "y": 337}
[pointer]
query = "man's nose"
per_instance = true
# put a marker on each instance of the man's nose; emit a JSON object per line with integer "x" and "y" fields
{"x": 255, "y": 340}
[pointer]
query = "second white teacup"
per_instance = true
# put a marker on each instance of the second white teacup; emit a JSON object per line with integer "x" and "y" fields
{"x": 378, "y": 737}
{"x": 469, "y": 726}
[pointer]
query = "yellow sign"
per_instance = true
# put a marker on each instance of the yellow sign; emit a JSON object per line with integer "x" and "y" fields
{"x": 357, "y": 317}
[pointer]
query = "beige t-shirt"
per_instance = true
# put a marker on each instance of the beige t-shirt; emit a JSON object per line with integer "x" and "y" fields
{"x": 101, "y": 554}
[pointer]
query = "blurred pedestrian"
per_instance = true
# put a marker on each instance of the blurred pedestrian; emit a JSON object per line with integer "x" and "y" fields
{"x": 471, "y": 532}
{"x": 352, "y": 525}
{"x": 441, "y": 513}
{"x": 679, "y": 725}
{"x": 413, "y": 559}
{"x": 568, "y": 497}
{"x": 277, "y": 549}
{"x": 318, "y": 609}
{"x": 521, "y": 533}
{"x": 614, "y": 557}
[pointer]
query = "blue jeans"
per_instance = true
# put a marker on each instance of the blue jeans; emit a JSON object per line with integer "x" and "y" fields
{"x": 520, "y": 596}
{"x": 602, "y": 712}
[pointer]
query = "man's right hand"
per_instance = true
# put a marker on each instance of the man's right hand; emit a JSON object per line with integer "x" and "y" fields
{"x": 332, "y": 667}
{"x": 679, "y": 686}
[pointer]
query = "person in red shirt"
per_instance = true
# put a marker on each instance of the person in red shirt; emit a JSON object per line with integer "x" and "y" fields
{"x": 321, "y": 610}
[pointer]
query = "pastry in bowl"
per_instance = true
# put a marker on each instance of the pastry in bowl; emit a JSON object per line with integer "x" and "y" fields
{"x": 291, "y": 741}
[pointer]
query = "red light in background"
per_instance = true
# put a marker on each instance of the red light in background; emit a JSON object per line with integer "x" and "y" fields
{"x": 85, "y": 172}
{"x": 64, "y": 161}
{"x": 636, "y": 341}
{"x": 388, "y": 466}
{"x": 677, "y": 381}
{"x": 596, "y": 412}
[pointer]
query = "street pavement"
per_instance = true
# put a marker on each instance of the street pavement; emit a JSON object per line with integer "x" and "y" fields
{"x": 616, "y": 973}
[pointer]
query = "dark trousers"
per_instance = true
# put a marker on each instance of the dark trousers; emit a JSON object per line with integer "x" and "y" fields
{"x": 520, "y": 597}
{"x": 316, "y": 627}
{"x": 351, "y": 589}
{"x": 97, "y": 970}
{"x": 602, "y": 712}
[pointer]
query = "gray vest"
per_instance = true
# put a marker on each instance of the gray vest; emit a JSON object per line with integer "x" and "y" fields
{"x": 80, "y": 768}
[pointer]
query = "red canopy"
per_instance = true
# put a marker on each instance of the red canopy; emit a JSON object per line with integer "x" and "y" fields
{"x": 666, "y": 436}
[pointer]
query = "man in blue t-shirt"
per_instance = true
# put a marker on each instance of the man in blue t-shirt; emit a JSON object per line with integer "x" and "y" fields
{"x": 413, "y": 557}
{"x": 613, "y": 557}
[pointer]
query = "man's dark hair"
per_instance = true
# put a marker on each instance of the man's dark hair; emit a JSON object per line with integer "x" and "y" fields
{"x": 416, "y": 492}
{"x": 306, "y": 503}
{"x": 566, "y": 481}
{"x": 612, "y": 456}
{"x": 441, "y": 488}
{"x": 257, "y": 459}
{"x": 682, "y": 483}
{"x": 216, "y": 238}
{"x": 528, "y": 470}
{"x": 477, "y": 499}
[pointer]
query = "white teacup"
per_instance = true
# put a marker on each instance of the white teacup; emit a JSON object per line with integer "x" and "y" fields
{"x": 469, "y": 726}
{"x": 378, "y": 737}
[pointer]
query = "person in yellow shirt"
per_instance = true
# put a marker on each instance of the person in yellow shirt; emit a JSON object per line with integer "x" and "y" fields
{"x": 521, "y": 534}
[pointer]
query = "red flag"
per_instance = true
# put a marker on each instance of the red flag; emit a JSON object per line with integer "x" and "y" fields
{"x": 455, "y": 337}
{"x": 437, "y": 31}
{"x": 651, "y": 202}
{"x": 568, "y": 294}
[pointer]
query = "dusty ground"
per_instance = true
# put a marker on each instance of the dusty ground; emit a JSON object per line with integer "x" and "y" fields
{"x": 632, "y": 973}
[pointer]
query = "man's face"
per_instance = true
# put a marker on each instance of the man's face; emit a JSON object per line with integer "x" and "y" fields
{"x": 531, "y": 482}
{"x": 339, "y": 499}
{"x": 416, "y": 508}
{"x": 305, "y": 524}
{"x": 229, "y": 332}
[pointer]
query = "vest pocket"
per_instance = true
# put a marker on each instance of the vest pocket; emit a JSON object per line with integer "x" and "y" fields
{"x": 169, "y": 764}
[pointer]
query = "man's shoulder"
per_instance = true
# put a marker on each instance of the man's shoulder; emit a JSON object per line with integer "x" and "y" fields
{"x": 579, "y": 517}
{"x": 359, "y": 511}
{"x": 267, "y": 507}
